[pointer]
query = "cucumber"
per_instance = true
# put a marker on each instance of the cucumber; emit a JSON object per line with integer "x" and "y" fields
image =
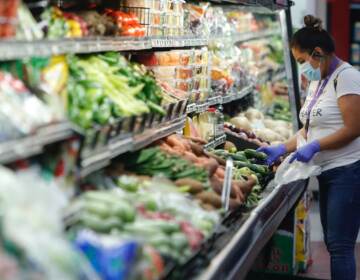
{"x": 179, "y": 241}
{"x": 93, "y": 222}
{"x": 124, "y": 211}
{"x": 239, "y": 157}
{"x": 257, "y": 168}
{"x": 97, "y": 208}
{"x": 250, "y": 153}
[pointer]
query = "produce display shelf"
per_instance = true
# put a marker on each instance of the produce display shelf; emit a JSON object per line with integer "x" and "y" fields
{"x": 216, "y": 142}
{"x": 236, "y": 258}
{"x": 103, "y": 155}
{"x": 269, "y": 4}
{"x": 271, "y": 76}
{"x": 241, "y": 94}
{"x": 216, "y": 100}
{"x": 142, "y": 140}
{"x": 17, "y": 49}
{"x": 34, "y": 144}
{"x": 279, "y": 76}
{"x": 249, "y": 36}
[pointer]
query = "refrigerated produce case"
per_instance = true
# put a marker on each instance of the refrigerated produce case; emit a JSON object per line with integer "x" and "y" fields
{"x": 178, "y": 63}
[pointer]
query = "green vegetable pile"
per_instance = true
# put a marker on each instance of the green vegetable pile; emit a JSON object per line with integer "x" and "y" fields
{"x": 276, "y": 50}
{"x": 153, "y": 161}
{"x": 248, "y": 163}
{"x": 100, "y": 211}
{"x": 280, "y": 110}
{"x": 105, "y": 87}
{"x": 151, "y": 212}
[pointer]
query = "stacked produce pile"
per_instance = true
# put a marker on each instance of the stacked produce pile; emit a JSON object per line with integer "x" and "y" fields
{"x": 149, "y": 211}
{"x": 60, "y": 24}
{"x": 185, "y": 70}
{"x": 106, "y": 86}
{"x": 190, "y": 167}
{"x": 253, "y": 126}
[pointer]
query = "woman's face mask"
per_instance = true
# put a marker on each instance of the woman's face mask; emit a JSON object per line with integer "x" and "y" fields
{"x": 311, "y": 73}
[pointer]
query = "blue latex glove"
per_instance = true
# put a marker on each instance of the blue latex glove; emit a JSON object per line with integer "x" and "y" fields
{"x": 307, "y": 152}
{"x": 273, "y": 152}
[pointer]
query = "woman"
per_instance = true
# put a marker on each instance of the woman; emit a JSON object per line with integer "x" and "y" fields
{"x": 331, "y": 119}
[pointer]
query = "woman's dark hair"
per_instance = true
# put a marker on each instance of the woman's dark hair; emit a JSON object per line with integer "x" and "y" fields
{"x": 312, "y": 35}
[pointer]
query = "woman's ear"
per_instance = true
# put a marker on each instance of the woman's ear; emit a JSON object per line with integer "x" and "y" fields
{"x": 318, "y": 52}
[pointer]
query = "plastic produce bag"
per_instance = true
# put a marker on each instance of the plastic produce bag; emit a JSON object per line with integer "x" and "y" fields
{"x": 291, "y": 172}
{"x": 111, "y": 257}
{"x": 31, "y": 219}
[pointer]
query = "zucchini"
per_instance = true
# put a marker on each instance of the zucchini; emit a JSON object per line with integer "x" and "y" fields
{"x": 250, "y": 153}
{"x": 239, "y": 156}
{"x": 124, "y": 211}
{"x": 179, "y": 241}
{"x": 97, "y": 208}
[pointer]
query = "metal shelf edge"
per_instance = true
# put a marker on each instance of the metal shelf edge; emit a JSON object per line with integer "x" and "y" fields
{"x": 218, "y": 261}
{"x": 32, "y": 145}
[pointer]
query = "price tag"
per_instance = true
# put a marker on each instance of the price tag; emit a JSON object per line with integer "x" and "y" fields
{"x": 225, "y": 195}
{"x": 202, "y": 107}
{"x": 191, "y": 108}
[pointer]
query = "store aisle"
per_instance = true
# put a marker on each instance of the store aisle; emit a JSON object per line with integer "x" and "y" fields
{"x": 320, "y": 268}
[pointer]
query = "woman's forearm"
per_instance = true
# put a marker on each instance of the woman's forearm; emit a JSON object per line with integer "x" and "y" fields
{"x": 338, "y": 139}
{"x": 292, "y": 142}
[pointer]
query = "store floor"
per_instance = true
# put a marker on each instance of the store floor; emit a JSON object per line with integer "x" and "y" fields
{"x": 320, "y": 268}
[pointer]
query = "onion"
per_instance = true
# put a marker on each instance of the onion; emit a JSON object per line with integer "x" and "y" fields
{"x": 241, "y": 123}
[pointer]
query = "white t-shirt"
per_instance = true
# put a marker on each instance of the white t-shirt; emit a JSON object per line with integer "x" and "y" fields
{"x": 326, "y": 118}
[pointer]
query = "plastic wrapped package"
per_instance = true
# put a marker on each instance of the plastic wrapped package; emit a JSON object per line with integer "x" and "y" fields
{"x": 185, "y": 85}
{"x": 111, "y": 257}
{"x": 165, "y": 58}
{"x": 195, "y": 96}
{"x": 174, "y": 91}
{"x": 31, "y": 205}
{"x": 8, "y": 12}
{"x": 149, "y": 4}
{"x": 195, "y": 19}
{"x": 15, "y": 97}
{"x": 184, "y": 72}
{"x": 172, "y": 72}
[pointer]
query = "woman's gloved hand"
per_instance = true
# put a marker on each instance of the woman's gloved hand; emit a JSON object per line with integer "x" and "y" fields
{"x": 306, "y": 152}
{"x": 273, "y": 152}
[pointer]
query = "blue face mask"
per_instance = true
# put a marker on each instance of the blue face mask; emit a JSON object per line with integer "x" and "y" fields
{"x": 310, "y": 72}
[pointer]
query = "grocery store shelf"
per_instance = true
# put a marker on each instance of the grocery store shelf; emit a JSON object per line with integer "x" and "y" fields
{"x": 237, "y": 257}
{"x": 216, "y": 142}
{"x": 249, "y": 36}
{"x": 216, "y": 100}
{"x": 32, "y": 145}
{"x": 271, "y": 76}
{"x": 16, "y": 49}
{"x": 142, "y": 140}
{"x": 100, "y": 157}
{"x": 241, "y": 94}
{"x": 178, "y": 42}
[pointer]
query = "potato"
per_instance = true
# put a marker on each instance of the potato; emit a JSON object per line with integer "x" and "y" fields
{"x": 195, "y": 186}
{"x": 217, "y": 186}
{"x": 197, "y": 149}
{"x": 210, "y": 197}
{"x": 190, "y": 157}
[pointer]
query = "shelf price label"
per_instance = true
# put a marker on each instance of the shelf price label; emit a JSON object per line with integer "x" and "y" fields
{"x": 225, "y": 195}
{"x": 202, "y": 107}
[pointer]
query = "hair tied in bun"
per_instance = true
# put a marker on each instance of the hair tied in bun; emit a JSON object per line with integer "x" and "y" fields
{"x": 313, "y": 22}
